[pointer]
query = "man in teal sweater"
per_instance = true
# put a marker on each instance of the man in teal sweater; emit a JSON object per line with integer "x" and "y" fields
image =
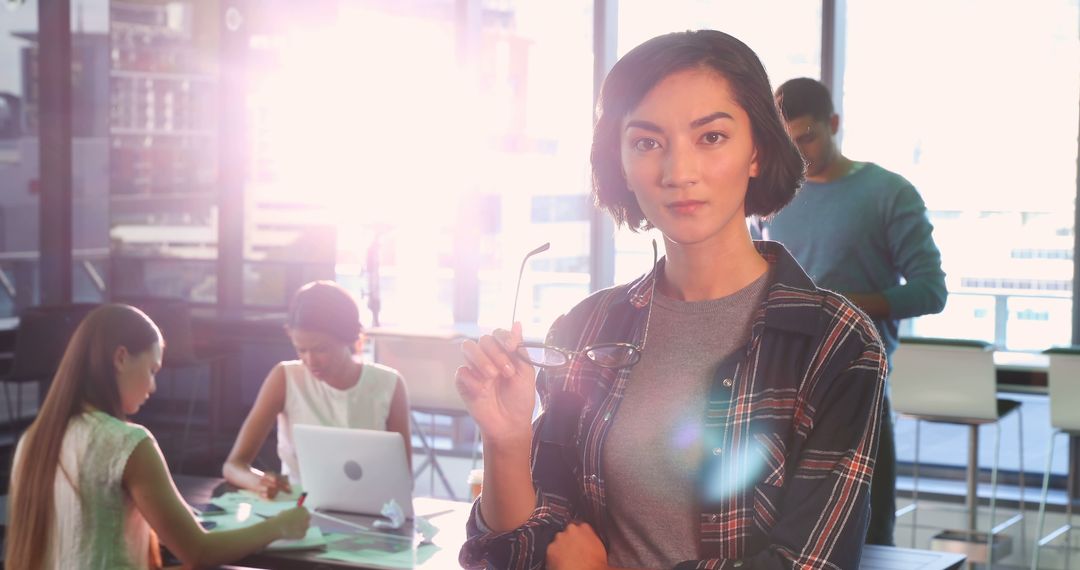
{"x": 860, "y": 230}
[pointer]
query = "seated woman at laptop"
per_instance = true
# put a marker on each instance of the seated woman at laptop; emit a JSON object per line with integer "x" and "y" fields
{"x": 329, "y": 386}
{"x": 90, "y": 489}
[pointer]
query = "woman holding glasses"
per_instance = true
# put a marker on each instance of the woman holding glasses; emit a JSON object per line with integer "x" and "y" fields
{"x": 720, "y": 411}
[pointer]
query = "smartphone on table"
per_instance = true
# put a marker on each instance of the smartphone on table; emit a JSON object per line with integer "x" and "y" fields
{"x": 207, "y": 509}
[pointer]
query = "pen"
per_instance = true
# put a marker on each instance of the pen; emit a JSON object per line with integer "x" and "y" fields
{"x": 300, "y": 501}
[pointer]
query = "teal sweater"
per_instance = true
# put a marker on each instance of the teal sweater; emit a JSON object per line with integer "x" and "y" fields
{"x": 862, "y": 234}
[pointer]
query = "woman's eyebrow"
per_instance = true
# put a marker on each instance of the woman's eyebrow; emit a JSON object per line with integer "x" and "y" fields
{"x": 696, "y": 123}
{"x": 710, "y": 118}
{"x": 644, "y": 125}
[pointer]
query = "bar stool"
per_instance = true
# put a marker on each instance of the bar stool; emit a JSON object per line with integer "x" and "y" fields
{"x": 1063, "y": 380}
{"x": 427, "y": 363}
{"x": 955, "y": 382}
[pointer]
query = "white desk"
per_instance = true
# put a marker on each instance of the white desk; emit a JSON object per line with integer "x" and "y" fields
{"x": 1021, "y": 361}
{"x": 451, "y": 522}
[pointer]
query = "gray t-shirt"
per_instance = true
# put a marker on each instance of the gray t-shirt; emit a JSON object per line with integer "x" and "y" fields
{"x": 652, "y": 454}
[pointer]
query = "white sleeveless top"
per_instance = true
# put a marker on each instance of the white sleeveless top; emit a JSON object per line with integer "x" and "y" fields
{"x": 311, "y": 401}
{"x": 95, "y": 522}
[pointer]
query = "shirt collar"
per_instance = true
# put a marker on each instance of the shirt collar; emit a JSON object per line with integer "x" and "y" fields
{"x": 793, "y": 302}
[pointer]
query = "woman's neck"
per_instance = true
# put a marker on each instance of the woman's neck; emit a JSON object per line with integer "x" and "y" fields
{"x": 348, "y": 375}
{"x": 702, "y": 272}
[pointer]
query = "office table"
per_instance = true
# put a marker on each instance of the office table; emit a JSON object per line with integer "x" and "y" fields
{"x": 893, "y": 558}
{"x": 450, "y": 517}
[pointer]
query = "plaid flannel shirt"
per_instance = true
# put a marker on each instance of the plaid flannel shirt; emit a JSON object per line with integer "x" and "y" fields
{"x": 790, "y": 430}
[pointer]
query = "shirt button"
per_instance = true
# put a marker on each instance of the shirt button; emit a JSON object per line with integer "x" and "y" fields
{"x": 727, "y": 382}
{"x": 738, "y": 564}
{"x": 593, "y": 478}
{"x": 713, "y": 518}
{"x": 607, "y": 416}
{"x": 717, "y": 451}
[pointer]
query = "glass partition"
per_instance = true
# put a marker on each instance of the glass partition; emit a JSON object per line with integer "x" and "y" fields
{"x": 162, "y": 132}
{"x": 19, "y": 166}
{"x": 985, "y": 126}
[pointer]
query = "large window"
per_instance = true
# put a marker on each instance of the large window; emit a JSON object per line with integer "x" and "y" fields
{"x": 19, "y": 168}
{"x": 537, "y": 69}
{"x": 426, "y": 147}
{"x": 983, "y": 120}
{"x": 786, "y": 35}
{"x": 162, "y": 133}
{"x": 352, "y": 142}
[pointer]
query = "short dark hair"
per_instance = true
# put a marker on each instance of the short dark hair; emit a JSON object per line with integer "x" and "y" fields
{"x": 326, "y": 307}
{"x": 803, "y": 96}
{"x": 780, "y": 171}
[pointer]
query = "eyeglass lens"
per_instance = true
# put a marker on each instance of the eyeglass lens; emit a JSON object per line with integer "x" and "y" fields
{"x": 608, "y": 356}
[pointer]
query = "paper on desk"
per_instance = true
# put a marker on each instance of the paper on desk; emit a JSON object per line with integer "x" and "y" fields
{"x": 313, "y": 539}
{"x": 242, "y": 506}
{"x": 233, "y": 501}
{"x": 281, "y": 497}
{"x": 269, "y": 509}
{"x": 237, "y": 516}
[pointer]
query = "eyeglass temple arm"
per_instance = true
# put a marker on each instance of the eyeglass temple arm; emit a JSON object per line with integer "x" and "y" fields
{"x": 517, "y": 292}
{"x": 655, "y": 277}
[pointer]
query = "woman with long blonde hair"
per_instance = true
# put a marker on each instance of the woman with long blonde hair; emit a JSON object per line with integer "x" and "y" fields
{"x": 90, "y": 489}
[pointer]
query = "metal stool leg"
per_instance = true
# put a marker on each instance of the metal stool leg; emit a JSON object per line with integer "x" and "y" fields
{"x": 431, "y": 454}
{"x": 430, "y": 462}
{"x": 915, "y": 486}
{"x": 1042, "y": 504}
{"x": 910, "y": 507}
{"x": 1070, "y": 489}
{"x": 994, "y": 528}
{"x": 993, "y": 497}
{"x": 1023, "y": 508}
{"x": 1066, "y": 528}
{"x": 973, "y": 479}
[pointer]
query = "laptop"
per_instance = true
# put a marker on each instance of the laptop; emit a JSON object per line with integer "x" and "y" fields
{"x": 352, "y": 470}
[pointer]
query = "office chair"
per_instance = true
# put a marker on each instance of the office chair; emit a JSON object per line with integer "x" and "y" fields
{"x": 40, "y": 341}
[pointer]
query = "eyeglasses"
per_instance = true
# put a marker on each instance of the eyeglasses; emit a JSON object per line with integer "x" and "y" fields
{"x": 606, "y": 354}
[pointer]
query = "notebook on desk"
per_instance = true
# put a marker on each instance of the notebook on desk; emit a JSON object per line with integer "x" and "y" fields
{"x": 353, "y": 470}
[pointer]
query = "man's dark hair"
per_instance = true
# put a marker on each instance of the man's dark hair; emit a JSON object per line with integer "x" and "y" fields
{"x": 804, "y": 96}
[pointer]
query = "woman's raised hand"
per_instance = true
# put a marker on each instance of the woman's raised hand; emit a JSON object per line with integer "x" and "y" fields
{"x": 499, "y": 388}
{"x": 270, "y": 484}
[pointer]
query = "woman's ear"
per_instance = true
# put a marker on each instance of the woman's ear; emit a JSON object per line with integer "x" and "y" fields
{"x": 754, "y": 164}
{"x": 120, "y": 357}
